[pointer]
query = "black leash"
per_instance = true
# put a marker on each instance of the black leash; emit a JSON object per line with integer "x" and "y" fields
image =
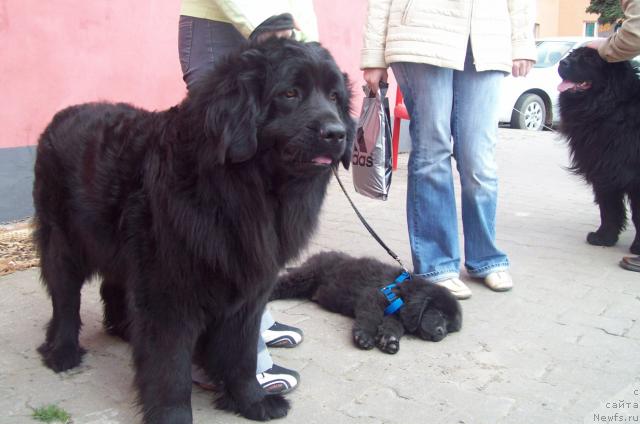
{"x": 366, "y": 224}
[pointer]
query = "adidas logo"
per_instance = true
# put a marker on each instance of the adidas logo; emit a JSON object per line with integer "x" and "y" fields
{"x": 360, "y": 154}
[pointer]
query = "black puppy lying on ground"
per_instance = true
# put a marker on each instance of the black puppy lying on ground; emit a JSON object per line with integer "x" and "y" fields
{"x": 352, "y": 286}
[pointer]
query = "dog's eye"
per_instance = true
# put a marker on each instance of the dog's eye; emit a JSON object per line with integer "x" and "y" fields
{"x": 291, "y": 93}
{"x": 333, "y": 96}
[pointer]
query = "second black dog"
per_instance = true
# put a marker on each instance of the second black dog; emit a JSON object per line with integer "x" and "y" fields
{"x": 351, "y": 286}
{"x": 600, "y": 116}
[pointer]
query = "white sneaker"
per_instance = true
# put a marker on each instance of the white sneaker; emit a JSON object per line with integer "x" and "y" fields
{"x": 499, "y": 281}
{"x": 278, "y": 380}
{"x": 456, "y": 287}
{"x": 275, "y": 380}
{"x": 282, "y": 335}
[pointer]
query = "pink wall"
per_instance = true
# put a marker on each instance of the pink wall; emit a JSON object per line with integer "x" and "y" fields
{"x": 340, "y": 25}
{"x": 58, "y": 53}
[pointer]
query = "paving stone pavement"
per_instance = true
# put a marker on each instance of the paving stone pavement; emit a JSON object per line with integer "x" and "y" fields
{"x": 559, "y": 348}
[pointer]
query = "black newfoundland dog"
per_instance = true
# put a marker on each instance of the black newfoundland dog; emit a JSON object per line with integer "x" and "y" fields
{"x": 600, "y": 116}
{"x": 188, "y": 215}
{"x": 351, "y": 286}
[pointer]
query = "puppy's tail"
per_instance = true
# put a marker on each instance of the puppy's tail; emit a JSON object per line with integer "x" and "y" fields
{"x": 298, "y": 283}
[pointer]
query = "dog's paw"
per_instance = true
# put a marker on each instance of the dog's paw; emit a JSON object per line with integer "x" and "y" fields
{"x": 61, "y": 358}
{"x": 362, "y": 339}
{"x": 272, "y": 406}
{"x": 388, "y": 343}
{"x": 600, "y": 238}
{"x": 268, "y": 407}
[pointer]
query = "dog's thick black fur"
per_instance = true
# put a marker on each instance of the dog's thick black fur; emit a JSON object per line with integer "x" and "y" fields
{"x": 600, "y": 116}
{"x": 351, "y": 286}
{"x": 188, "y": 215}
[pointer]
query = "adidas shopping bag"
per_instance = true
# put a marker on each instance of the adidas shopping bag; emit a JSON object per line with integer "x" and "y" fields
{"x": 371, "y": 160}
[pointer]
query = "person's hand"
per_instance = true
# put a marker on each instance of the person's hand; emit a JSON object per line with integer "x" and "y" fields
{"x": 373, "y": 76}
{"x": 595, "y": 44}
{"x": 521, "y": 67}
{"x": 283, "y": 33}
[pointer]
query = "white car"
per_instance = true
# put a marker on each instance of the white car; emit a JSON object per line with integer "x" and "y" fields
{"x": 531, "y": 102}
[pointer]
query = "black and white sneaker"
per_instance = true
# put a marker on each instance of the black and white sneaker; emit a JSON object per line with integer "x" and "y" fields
{"x": 281, "y": 335}
{"x": 278, "y": 380}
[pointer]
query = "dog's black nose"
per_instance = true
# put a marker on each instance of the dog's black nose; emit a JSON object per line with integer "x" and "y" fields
{"x": 440, "y": 332}
{"x": 562, "y": 68}
{"x": 333, "y": 132}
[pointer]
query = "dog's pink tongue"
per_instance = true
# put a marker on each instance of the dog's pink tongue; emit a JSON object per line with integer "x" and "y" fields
{"x": 322, "y": 160}
{"x": 566, "y": 85}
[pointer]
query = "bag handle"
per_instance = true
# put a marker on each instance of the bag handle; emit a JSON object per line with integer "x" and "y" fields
{"x": 383, "y": 87}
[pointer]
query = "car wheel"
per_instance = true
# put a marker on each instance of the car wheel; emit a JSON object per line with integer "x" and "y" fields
{"x": 529, "y": 113}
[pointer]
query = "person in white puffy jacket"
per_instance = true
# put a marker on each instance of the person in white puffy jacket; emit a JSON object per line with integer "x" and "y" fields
{"x": 449, "y": 58}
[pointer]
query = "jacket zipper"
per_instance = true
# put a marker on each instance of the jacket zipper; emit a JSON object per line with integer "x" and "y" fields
{"x": 405, "y": 13}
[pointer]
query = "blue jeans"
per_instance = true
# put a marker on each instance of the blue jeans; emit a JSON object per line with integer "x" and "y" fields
{"x": 453, "y": 113}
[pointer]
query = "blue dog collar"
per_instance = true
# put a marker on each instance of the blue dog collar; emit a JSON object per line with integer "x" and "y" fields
{"x": 395, "y": 303}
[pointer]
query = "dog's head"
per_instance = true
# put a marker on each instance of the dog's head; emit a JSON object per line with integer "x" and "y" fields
{"x": 430, "y": 311}
{"x": 281, "y": 97}
{"x": 583, "y": 71}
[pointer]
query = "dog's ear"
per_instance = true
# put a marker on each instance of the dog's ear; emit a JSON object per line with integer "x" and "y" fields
{"x": 349, "y": 122}
{"x": 417, "y": 296}
{"x": 619, "y": 77}
{"x": 414, "y": 312}
{"x": 233, "y": 112}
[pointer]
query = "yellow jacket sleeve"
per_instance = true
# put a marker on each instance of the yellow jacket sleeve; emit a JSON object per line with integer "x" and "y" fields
{"x": 247, "y": 15}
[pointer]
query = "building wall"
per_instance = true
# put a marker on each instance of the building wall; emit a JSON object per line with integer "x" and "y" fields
{"x": 563, "y": 17}
{"x": 63, "y": 52}
{"x": 547, "y": 19}
{"x": 573, "y": 16}
{"x": 55, "y": 54}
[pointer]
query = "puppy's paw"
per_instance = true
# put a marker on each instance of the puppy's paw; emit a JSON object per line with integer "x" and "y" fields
{"x": 388, "y": 343}
{"x": 363, "y": 339}
{"x": 600, "y": 238}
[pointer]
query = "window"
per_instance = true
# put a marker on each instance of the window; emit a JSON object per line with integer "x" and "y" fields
{"x": 550, "y": 52}
{"x": 590, "y": 29}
